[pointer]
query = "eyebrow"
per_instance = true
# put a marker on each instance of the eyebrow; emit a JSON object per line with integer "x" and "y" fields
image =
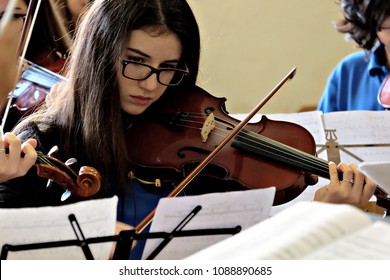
{"x": 17, "y": 11}
{"x": 148, "y": 56}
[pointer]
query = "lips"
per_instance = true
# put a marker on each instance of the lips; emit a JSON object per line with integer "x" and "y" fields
{"x": 140, "y": 100}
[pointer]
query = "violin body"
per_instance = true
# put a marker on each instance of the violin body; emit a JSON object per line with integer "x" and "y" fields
{"x": 166, "y": 145}
{"x": 30, "y": 91}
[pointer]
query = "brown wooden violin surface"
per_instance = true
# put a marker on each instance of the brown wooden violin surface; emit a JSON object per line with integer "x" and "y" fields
{"x": 167, "y": 143}
{"x": 84, "y": 184}
{"x": 30, "y": 91}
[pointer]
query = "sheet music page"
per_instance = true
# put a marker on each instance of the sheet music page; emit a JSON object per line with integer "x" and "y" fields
{"x": 46, "y": 224}
{"x": 219, "y": 210}
{"x": 378, "y": 172}
{"x": 306, "y": 195}
{"x": 312, "y": 121}
{"x": 359, "y": 127}
{"x": 361, "y": 135}
{"x": 291, "y": 234}
{"x": 371, "y": 243}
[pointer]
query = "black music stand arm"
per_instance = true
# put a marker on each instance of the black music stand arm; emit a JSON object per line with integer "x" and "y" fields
{"x": 124, "y": 239}
{"x": 80, "y": 237}
{"x": 80, "y": 241}
{"x": 179, "y": 227}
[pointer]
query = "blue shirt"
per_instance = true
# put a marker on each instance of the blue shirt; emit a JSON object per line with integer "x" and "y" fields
{"x": 136, "y": 203}
{"x": 355, "y": 82}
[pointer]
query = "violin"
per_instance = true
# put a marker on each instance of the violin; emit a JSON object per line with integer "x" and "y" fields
{"x": 85, "y": 184}
{"x": 34, "y": 82}
{"x": 238, "y": 166}
{"x": 30, "y": 91}
{"x": 173, "y": 137}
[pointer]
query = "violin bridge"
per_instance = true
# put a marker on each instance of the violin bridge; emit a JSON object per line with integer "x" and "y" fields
{"x": 207, "y": 127}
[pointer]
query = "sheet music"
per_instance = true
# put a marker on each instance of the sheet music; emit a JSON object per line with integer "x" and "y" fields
{"x": 378, "y": 172}
{"x": 371, "y": 243}
{"x": 292, "y": 234}
{"x": 219, "y": 210}
{"x": 359, "y": 127}
{"x": 45, "y": 224}
{"x": 306, "y": 195}
{"x": 312, "y": 121}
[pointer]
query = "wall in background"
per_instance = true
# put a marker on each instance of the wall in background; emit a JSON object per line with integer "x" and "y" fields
{"x": 248, "y": 46}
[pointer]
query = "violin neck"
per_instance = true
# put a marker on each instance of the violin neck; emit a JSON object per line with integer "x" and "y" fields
{"x": 261, "y": 146}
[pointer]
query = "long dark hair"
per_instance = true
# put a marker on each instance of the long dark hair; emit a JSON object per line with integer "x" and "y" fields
{"x": 86, "y": 108}
{"x": 361, "y": 21}
{"x": 49, "y": 31}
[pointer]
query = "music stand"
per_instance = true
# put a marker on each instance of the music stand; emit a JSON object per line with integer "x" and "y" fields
{"x": 124, "y": 239}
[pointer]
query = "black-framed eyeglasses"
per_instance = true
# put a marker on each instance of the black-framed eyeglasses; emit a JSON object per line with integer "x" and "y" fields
{"x": 139, "y": 71}
{"x": 17, "y": 21}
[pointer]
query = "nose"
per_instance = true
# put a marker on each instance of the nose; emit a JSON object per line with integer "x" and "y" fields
{"x": 150, "y": 83}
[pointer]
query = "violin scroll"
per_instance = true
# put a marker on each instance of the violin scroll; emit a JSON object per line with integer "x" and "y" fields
{"x": 85, "y": 184}
{"x": 88, "y": 181}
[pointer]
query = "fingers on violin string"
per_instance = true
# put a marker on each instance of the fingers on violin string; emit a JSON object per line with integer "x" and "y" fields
{"x": 347, "y": 173}
{"x": 333, "y": 171}
{"x": 30, "y": 155}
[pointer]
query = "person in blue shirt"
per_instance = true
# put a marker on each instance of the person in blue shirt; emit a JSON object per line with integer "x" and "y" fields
{"x": 129, "y": 58}
{"x": 355, "y": 82}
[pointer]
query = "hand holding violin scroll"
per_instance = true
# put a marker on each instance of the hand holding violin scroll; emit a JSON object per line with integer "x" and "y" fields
{"x": 12, "y": 165}
{"x": 353, "y": 188}
{"x": 84, "y": 184}
{"x": 17, "y": 158}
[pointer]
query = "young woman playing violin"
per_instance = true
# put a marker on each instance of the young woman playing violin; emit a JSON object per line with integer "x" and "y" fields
{"x": 118, "y": 71}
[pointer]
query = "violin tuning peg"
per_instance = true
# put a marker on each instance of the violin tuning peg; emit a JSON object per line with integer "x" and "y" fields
{"x": 53, "y": 150}
{"x": 70, "y": 161}
{"x": 65, "y": 195}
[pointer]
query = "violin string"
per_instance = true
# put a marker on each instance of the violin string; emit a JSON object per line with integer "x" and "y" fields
{"x": 262, "y": 143}
{"x": 280, "y": 150}
{"x": 43, "y": 159}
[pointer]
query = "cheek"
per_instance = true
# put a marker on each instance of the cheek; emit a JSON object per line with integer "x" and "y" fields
{"x": 384, "y": 37}
{"x": 76, "y": 6}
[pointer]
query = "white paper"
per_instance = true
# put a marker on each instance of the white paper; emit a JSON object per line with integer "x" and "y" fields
{"x": 46, "y": 224}
{"x": 312, "y": 121}
{"x": 291, "y": 234}
{"x": 360, "y": 127}
{"x": 371, "y": 243}
{"x": 379, "y": 172}
{"x": 219, "y": 210}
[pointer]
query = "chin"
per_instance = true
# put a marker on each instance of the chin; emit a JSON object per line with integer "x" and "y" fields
{"x": 135, "y": 110}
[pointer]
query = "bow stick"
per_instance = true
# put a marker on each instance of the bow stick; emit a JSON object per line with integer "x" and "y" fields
{"x": 145, "y": 222}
